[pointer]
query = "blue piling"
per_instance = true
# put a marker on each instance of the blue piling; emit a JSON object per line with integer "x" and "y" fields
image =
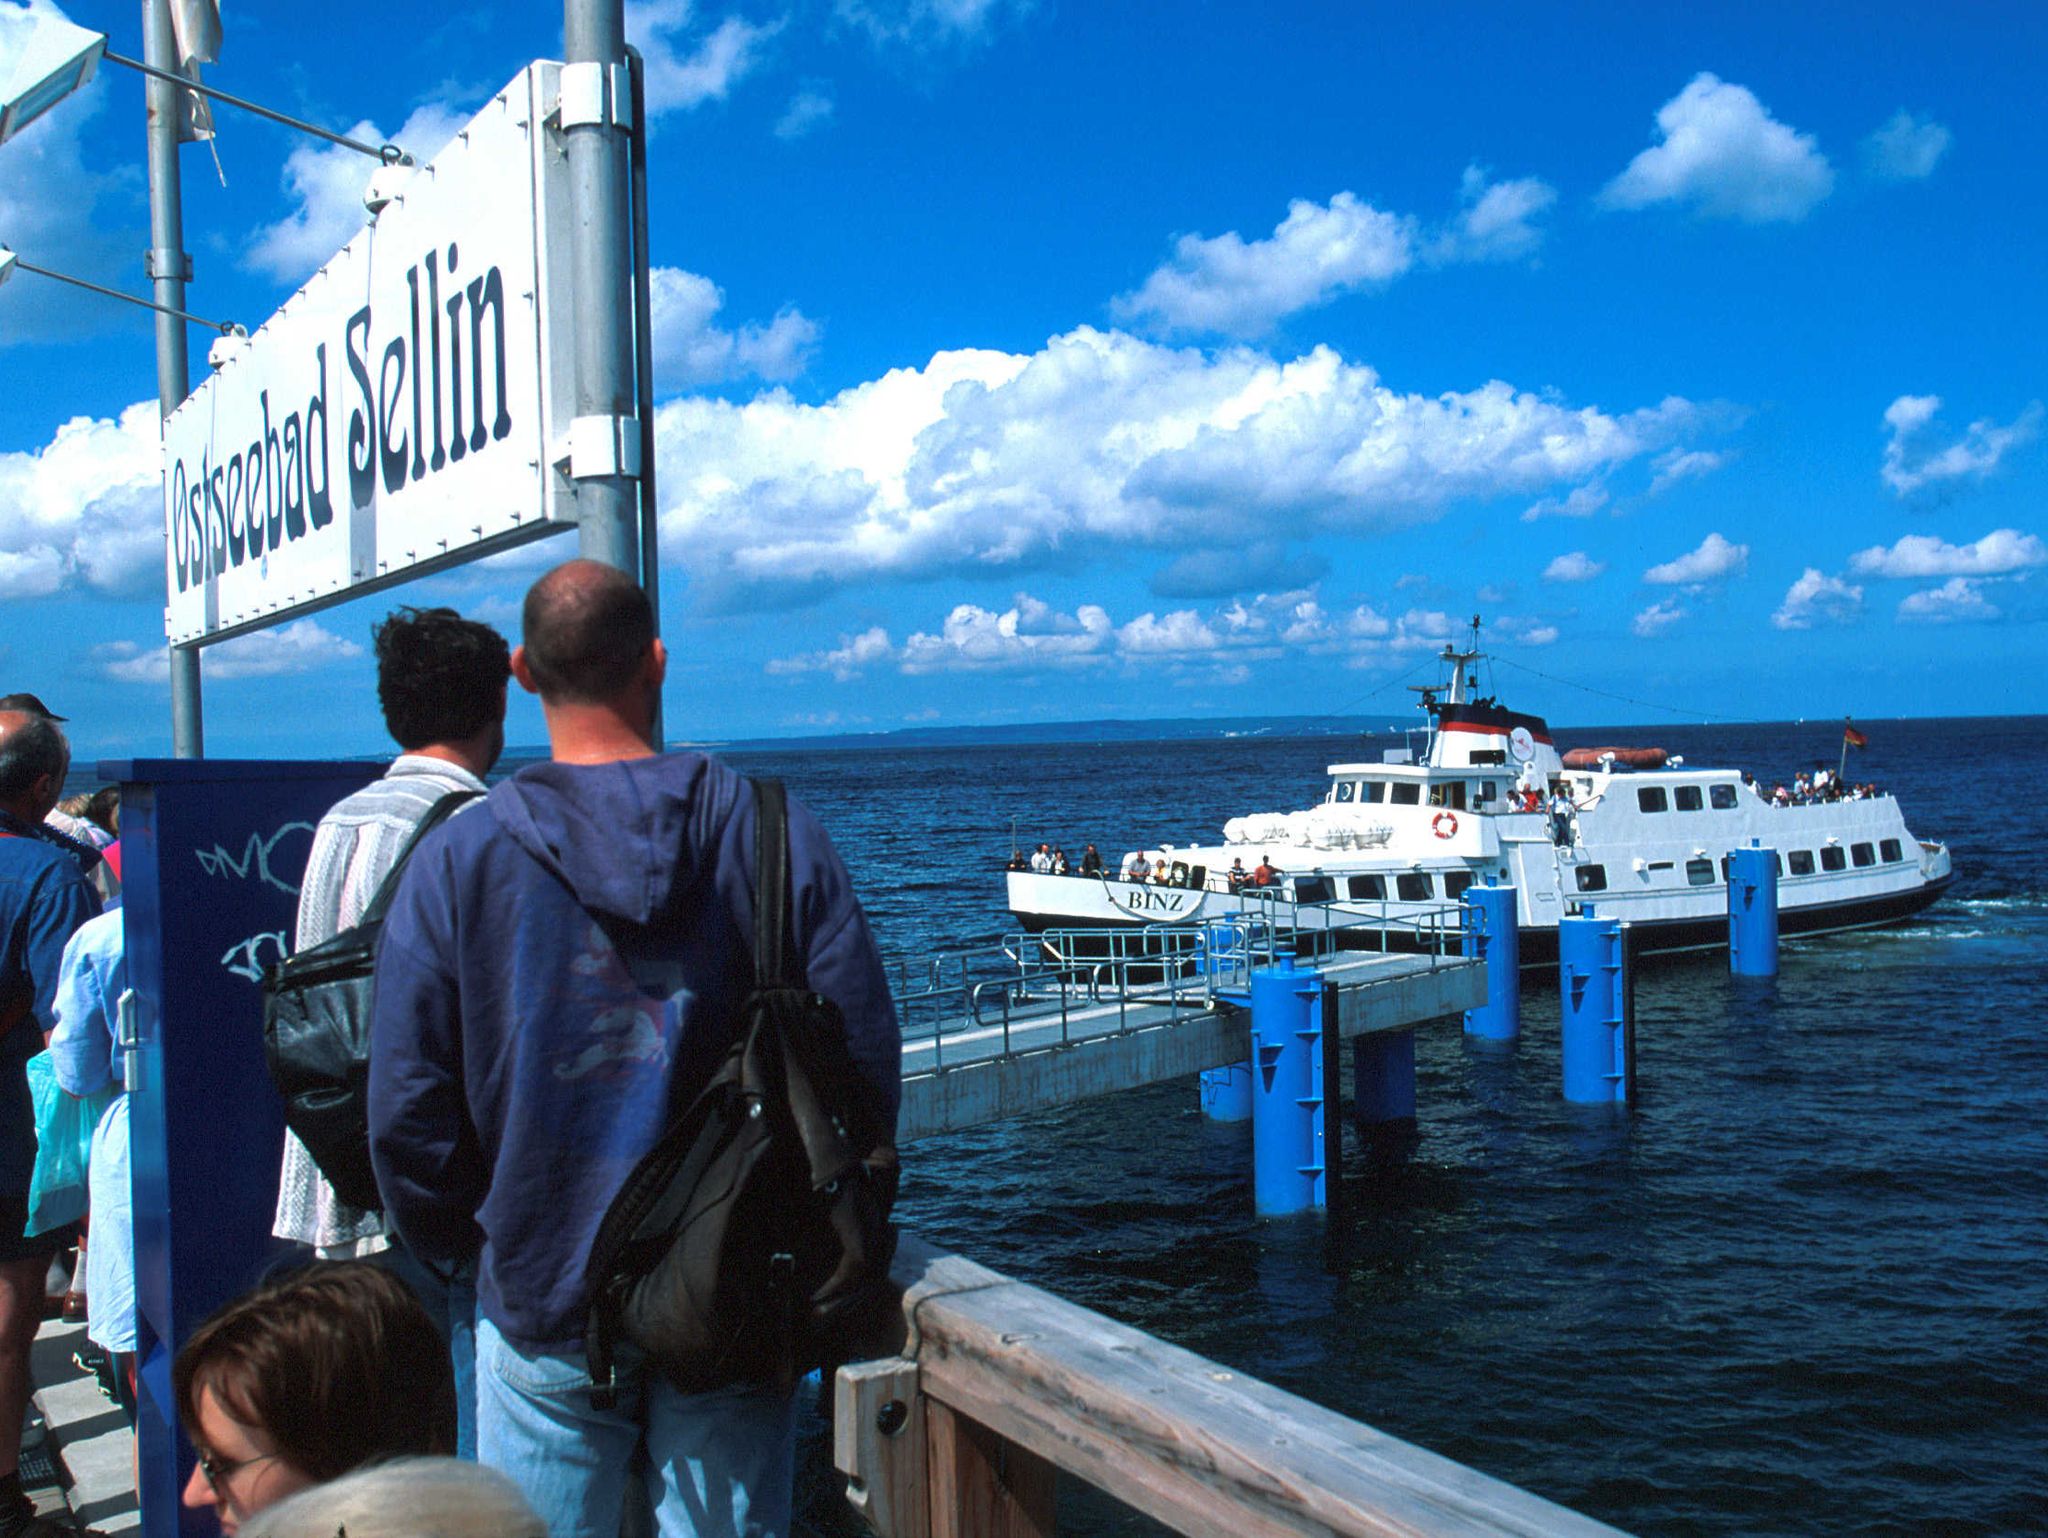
{"x": 1493, "y": 935}
{"x": 1227, "y": 1093}
{"x": 1592, "y": 983}
{"x": 1288, "y": 1163}
{"x": 1753, "y": 911}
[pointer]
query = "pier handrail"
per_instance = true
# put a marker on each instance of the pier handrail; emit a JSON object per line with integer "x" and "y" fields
{"x": 996, "y": 1384}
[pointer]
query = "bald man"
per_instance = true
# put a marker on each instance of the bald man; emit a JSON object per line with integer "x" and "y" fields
{"x": 560, "y": 969}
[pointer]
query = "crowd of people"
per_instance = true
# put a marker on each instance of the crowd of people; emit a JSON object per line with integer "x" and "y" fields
{"x": 1824, "y": 784}
{"x": 562, "y": 964}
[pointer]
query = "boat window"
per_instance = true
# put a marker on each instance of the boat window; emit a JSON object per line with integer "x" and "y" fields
{"x": 1455, "y": 882}
{"x": 1700, "y": 872}
{"x": 1801, "y": 862}
{"x": 1314, "y": 889}
{"x": 1651, "y": 798}
{"x": 1832, "y": 858}
{"x": 1722, "y": 797}
{"x": 1406, "y": 793}
{"x": 1368, "y": 888}
{"x": 1862, "y": 854}
{"x": 1686, "y": 798}
{"x": 1450, "y": 793}
{"x": 1346, "y": 790}
{"x": 1592, "y": 878}
{"x": 1414, "y": 886}
{"x": 1373, "y": 790}
{"x": 1660, "y": 864}
{"x": 1888, "y": 850}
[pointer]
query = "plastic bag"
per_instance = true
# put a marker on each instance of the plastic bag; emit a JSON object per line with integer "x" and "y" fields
{"x": 64, "y": 1128}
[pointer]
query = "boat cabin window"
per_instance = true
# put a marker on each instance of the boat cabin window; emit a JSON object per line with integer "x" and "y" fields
{"x": 1455, "y": 882}
{"x": 1832, "y": 858}
{"x": 1888, "y": 850}
{"x": 1801, "y": 861}
{"x": 1651, "y": 798}
{"x": 1346, "y": 790}
{"x": 1685, "y": 798}
{"x": 1373, "y": 790}
{"x": 1862, "y": 854}
{"x": 1414, "y": 886}
{"x": 1592, "y": 878}
{"x": 1367, "y": 888}
{"x": 1722, "y": 797}
{"x": 1699, "y": 872}
{"x": 1406, "y": 793}
{"x": 1449, "y": 793}
{"x": 1314, "y": 889}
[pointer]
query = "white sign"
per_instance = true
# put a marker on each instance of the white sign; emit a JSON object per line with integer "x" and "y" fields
{"x": 399, "y": 413}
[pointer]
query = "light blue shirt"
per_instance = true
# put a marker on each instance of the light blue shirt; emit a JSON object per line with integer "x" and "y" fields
{"x": 89, "y": 985}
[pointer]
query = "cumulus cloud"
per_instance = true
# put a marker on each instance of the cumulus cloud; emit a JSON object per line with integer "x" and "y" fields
{"x": 1912, "y": 465}
{"x": 1906, "y": 149}
{"x": 691, "y": 348}
{"x": 1218, "y": 573}
{"x": 927, "y": 24}
{"x": 302, "y": 646}
{"x": 1678, "y": 465}
{"x": 324, "y": 184}
{"x": 810, "y": 108}
{"x": 1925, "y": 555}
{"x": 1713, "y": 559}
{"x": 682, "y": 72}
{"x": 1579, "y": 502}
{"x": 1958, "y": 599}
{"x": 1027, "y": 634}
{"x": 1816, "y": 598}
{"x": 1573, "y": 566}
{"x": 986, "y": 460}
{"x": 849, "y": 658}
{"x": 86, "y": 509}
{"x": 1239, "y": 287}
{"x": 1726, "y": 157}
{"x": 1657, "y": 618}
{"x": 1495, "y": 220}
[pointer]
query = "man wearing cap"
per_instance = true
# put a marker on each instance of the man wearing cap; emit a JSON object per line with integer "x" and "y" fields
{"x": 57, "y": 828}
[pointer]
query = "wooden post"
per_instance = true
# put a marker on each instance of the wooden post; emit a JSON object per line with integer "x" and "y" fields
{"x": 983, "y": 1486}
{"x": 878, "y": 1443}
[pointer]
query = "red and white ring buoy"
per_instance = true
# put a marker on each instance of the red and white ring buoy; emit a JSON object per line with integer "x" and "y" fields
{"x": 1444, "y": 825}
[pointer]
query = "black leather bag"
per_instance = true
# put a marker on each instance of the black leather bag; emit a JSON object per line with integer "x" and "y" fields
{"x": 316, "y": 1034}
{"x": 753, "y": 1242}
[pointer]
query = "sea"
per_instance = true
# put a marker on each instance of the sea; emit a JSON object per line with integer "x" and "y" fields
{"x": 1800, "y": 1286}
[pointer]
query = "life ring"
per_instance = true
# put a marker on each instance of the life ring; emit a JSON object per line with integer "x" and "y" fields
{"x": 1444, "y": 825}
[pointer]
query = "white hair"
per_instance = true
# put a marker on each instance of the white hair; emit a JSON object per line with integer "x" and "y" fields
{"x": 406, "y": 1498}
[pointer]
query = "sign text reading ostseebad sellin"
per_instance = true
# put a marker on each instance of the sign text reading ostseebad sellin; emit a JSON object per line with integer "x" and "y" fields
{"x": 395, "y": 413}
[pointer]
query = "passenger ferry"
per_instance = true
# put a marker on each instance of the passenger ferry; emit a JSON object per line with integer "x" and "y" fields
{"x": 1633, "y": 833}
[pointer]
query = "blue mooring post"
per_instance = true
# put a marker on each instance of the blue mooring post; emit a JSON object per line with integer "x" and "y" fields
{"x": 1288, "y": 1089}
{"x": 1753, "y": 911}
{"x": 1493, "y": 935}
{"x": 1227, "y": 1092}
{"x": 1591, "y": 979}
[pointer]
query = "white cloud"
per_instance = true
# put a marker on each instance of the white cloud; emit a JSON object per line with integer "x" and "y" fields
{"x": 1817, "y": 598}
{"x": 1319, "y": 251}
{"x": 1180, "y": 631}
{"x": 853, "y": 655}
{"x": 1907, "y": 148}
{"x": 85, "y": 509}
{"x": 679, "y": 77}
{"x": 1925, "y": 555}
{"x": 810, "y": 108}
{"x": 1580, "y": 502}
{"x": 325, "y": 185}
{"x": 1028, "y": 634}
{"x": 1219, "y": 572}
{"x": 690, "y": 348}
{"x": 1493, "y": 224}
{"x": 1714, "y": 559}
{"x": 986, "y": 459}
{"x": 1726, "y": 157}
{"x": 1955, "y": 600}
{"x": 1573, "y": 566}
{"x": 920, "y": 24}
{"x": 1909, "y": 468}
{"x": 1683, "y": 465}
{"x": 302, "y": 646}
{"x": 1657, "y": 618}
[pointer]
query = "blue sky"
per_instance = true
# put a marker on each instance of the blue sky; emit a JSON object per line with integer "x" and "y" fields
{"x": 1026, "y": 362}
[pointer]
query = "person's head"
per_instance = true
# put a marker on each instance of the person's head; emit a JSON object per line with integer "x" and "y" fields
{"x": 31, "y": 703}
{"x": 408, "y": 1498}
{"x": 587, "y": 639}
{"x": 34, "y": 758}
{"x": 441, "y": 680}
{"x": 307, "y": 1377}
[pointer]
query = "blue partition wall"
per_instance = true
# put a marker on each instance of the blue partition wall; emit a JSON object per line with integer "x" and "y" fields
{"x": 212, "y": 853}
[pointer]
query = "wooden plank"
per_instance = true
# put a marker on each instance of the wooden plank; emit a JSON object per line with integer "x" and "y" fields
{"x": 982, "y": 1485}
{"x": 878, "y": 1443}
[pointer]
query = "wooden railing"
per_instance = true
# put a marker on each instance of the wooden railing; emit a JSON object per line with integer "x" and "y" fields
{"x": 997, "y": 1385}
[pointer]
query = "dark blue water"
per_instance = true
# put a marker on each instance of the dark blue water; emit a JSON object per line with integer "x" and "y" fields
{"x": 1801, "y": 1287}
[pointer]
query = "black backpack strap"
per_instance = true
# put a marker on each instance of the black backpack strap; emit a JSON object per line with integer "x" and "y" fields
{"x": 773, "y": 967}
{"x": 387, "y": 890}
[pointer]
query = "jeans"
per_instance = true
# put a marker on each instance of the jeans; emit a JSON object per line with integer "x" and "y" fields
{"x": 450, "y": 1301}
{"x": 716, "y": 1465}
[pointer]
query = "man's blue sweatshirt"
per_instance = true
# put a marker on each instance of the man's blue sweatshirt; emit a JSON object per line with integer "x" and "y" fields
{"x": 561, "y": 969}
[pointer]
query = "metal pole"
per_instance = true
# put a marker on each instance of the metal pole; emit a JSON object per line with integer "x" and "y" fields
{"x": 169, "y": 268}
{"x": 643, "y": 370}
{"x": 601, "y": 252}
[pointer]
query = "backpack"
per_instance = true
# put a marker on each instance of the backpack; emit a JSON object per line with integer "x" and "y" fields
{"x": 316, "y": 1033}
{"x": 753, "y": 1241}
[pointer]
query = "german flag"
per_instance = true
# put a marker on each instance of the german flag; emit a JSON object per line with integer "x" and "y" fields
{"x": 1853, "y": 738}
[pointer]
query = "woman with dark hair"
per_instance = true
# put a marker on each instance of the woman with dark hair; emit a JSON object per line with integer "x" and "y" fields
{"x": 306, "y": 1378}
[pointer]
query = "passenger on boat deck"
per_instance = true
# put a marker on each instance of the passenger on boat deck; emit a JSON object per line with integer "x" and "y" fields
{"x": 1781, "y": 796}
{"x": 1802, "y": 788}
{"x": 1263, "y": 873}
{"x": 1059, "y": 862}
{"x": 1041, "y": 859}
{"x": 1238, "y": 875}
{"x": 1560, "y": 817}
{"x": 1091, "y": 861}
{"x": 1017, "y": 861}
{"x": 1134, "y": 866}
{"x": 1162, "y": 873}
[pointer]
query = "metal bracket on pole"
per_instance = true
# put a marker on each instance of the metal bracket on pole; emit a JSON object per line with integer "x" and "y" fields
{"x": 158, "y": 262}
{"x": 594, "y": 94}
{"x": 601, "y": 446}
